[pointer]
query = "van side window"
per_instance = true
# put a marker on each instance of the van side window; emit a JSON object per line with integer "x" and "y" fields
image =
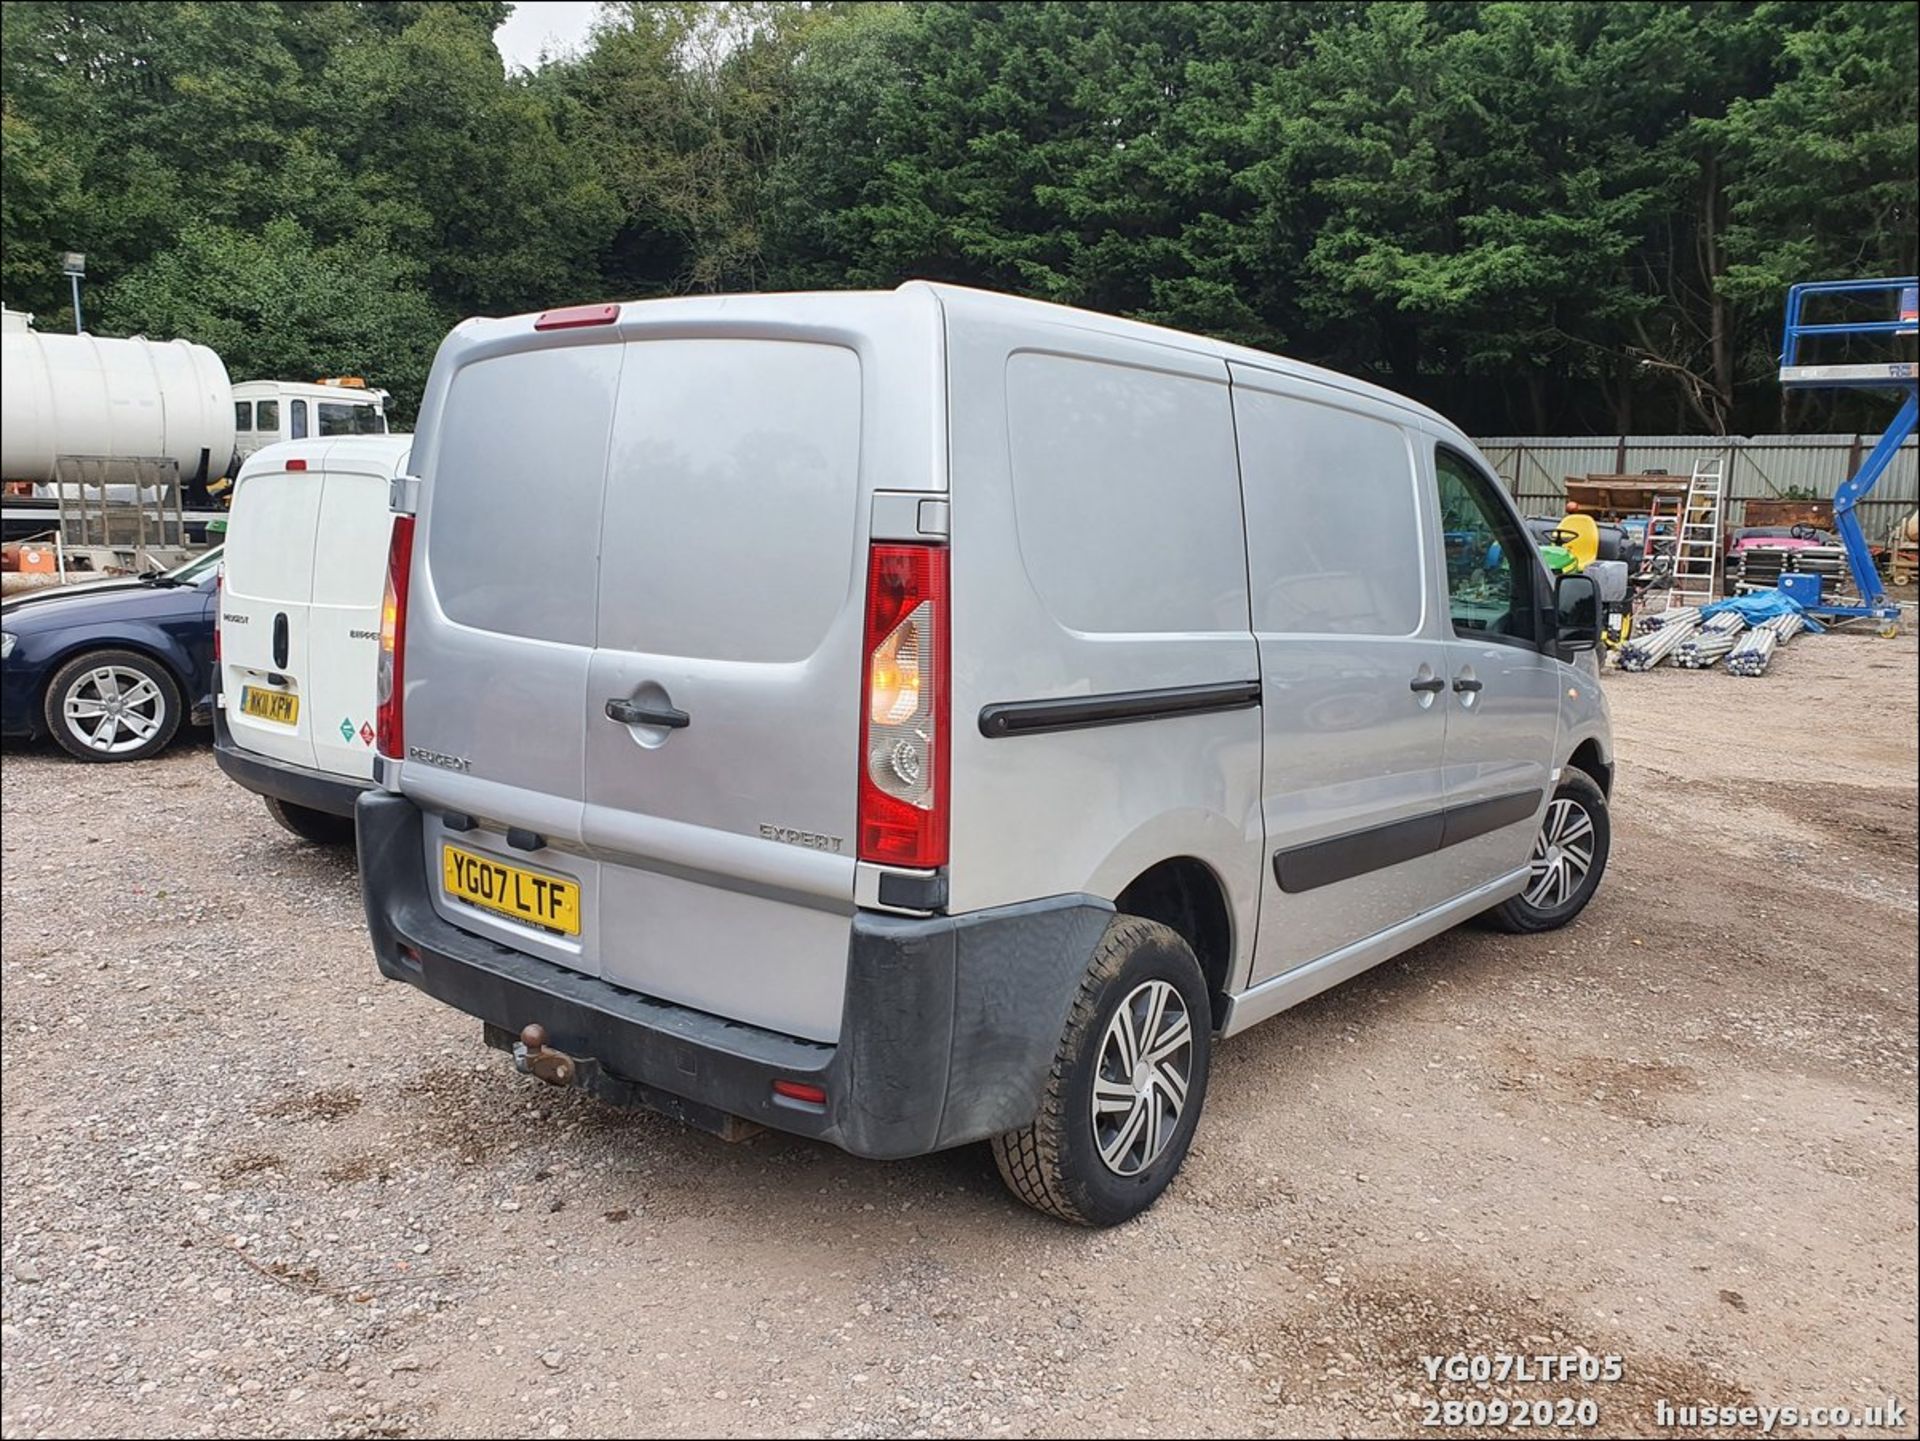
{"x": 243, "y": 415}
{"x": 297, "y": 420}
{"x": 268, "y": 417}
{"x": 1117, "y": 470}
{"x": 1490, "y": 571}
{"x": 1333, "y": 518}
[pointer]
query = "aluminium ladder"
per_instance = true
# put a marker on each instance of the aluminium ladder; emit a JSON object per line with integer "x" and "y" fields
{"x": 1696, "y": 542}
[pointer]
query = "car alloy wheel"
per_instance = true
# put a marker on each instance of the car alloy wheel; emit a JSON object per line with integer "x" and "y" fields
{"x": 113, "y": 709}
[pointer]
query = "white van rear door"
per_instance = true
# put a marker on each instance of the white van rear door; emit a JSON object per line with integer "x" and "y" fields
{"x": 349, "y": 574}
{"x": 264, "y": 611}
{"x": 731, "y": 577}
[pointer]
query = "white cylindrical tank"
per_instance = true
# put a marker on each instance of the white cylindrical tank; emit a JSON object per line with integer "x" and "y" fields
{"x": 66, "y": 395}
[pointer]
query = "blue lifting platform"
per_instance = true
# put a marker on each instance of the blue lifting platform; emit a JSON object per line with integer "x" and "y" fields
{"x": 1894, "y": 375}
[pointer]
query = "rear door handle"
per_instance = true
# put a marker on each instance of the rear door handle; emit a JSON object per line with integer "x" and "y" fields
{"x": 630, "y": 713}
{"x": 1461, "y": 683}
{"x": 1431, "y": 683}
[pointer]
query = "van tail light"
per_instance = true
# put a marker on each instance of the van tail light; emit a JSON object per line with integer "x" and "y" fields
{"x": 391, "y": 673}
{"x": 219, "y": 594}
{"x": 904, "y": 702}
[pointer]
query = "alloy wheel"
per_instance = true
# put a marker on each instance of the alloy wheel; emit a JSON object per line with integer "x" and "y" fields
{"x": 113, "y": 709}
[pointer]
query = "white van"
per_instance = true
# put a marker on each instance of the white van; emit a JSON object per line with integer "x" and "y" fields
{"x": 921, "y": 717}
{"x": 266, "y": 412}
{"x": 298, "y": 626}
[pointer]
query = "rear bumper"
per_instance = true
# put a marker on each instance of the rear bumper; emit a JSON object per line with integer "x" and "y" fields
{"x": 297, "y": 785}
{"x": 949, "y": 1027}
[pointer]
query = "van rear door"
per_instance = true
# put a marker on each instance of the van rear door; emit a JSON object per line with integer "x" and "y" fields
{"x": 620, "y": 526}
{"x": 722, "y": 715}
{"x": 265, "y": 598}
{"x": 349, "y": 571}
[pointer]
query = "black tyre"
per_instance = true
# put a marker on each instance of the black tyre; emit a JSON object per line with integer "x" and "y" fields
{"x": 1569, "y": 857}
{"x": 1126, "y": 1087}
{"x": 320, "y": 827}
{"x": 112, "y": 705}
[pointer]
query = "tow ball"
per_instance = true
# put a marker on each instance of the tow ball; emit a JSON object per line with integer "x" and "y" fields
{"x": 532, "y": 1056}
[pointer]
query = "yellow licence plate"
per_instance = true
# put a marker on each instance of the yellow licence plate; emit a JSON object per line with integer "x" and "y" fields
{"x": 544, "y": 901}
{"x": 274, "y": 705}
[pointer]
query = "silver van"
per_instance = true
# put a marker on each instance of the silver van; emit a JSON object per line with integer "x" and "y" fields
{"x": 921, "y": 717}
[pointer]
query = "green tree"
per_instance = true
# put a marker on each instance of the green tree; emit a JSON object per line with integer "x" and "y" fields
{"x": 273, "y": 304}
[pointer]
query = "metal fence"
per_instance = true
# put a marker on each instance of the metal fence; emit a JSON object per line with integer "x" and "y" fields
{"x": 1535, "y": 468}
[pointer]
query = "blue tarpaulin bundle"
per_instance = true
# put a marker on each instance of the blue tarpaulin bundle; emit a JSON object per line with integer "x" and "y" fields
{"x": 1760, "y": 605}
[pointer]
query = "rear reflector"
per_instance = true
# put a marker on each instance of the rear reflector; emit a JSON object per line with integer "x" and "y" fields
{"x": 801, "y": 1091}
{"x": 296, "y": 465}
{"x": 575, "y": 316}
{"x": 903, "y": 708}
{"x": 390, "y": 671}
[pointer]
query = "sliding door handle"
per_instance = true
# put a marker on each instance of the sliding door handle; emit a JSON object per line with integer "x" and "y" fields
{"x": 1432, "y": 684}
{"x": 1461, "y": 683}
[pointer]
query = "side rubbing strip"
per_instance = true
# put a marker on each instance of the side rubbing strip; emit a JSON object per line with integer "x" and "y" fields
{"x": 1341, "y": 858}
{"x": 1078, "y": 712}
{"x": 1466, "y": 822}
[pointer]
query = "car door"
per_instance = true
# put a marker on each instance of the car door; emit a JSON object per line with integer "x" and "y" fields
{"x": 1351, "y": 667}
{"x": 1503, "y": 682}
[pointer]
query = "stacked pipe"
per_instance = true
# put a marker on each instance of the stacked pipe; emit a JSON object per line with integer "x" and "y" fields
{"x": 1789, "y": 625}
{"x": 1756, "y": 648}
{"x": 1679, "y": 615}
{"x": 1715, "y": 638}
{"x": 1644, "y": 651}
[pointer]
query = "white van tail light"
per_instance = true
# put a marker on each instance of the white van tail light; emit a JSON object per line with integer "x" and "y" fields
{"x": 903, "y": 708}
{"x": 219, "y": 594}
{"x": 390, "y": 675}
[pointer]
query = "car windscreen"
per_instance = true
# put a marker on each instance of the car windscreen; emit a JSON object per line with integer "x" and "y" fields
{"x": 199, "y": 568}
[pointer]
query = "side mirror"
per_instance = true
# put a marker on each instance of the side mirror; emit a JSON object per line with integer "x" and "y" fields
{"x": 1576, "y": 607}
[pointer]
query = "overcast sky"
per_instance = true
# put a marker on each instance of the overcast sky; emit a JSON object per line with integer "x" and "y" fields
{"x": 550, "y": 25}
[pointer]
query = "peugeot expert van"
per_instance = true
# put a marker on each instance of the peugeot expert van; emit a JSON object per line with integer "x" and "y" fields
{"x": 298, "y": 626}
{"x": 913, "y": 718}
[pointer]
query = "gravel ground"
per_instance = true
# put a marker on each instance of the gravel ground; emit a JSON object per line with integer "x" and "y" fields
{"x": 250, "y": 1188}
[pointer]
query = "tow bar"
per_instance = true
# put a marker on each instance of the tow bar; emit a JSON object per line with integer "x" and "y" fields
{"x": 532, "y": 1056}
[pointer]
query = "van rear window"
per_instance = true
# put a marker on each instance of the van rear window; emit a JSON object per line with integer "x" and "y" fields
{"x": 731, "y": 498}
{"x": 517, "y": 475}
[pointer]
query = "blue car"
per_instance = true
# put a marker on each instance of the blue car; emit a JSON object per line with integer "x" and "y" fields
{"x": 111, "y": 669}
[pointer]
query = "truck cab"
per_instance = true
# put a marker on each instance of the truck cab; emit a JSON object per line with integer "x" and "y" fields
{"x": 268, "y": 411}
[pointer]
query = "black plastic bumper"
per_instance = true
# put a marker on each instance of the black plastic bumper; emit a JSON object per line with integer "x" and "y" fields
{"x": 949, "y": 1027}
{"x": 297, "y": 785}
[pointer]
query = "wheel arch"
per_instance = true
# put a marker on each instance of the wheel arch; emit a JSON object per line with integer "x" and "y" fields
{"x": 1591, "y": 757}
{"x": 1187, "y": 894}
